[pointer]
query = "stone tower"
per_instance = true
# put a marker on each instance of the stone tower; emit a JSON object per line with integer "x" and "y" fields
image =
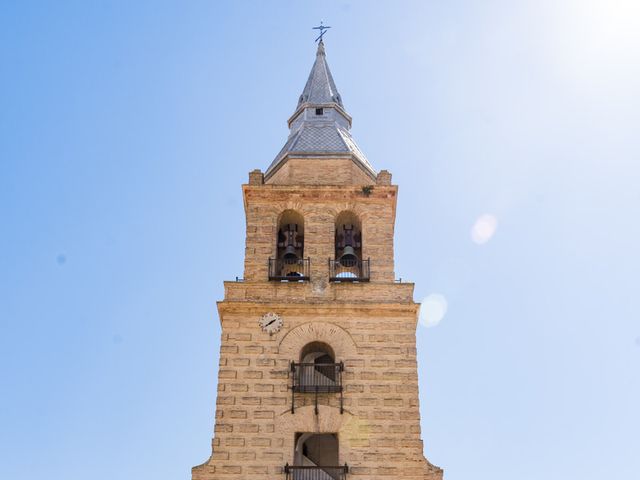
{"x": 318, "y": 375}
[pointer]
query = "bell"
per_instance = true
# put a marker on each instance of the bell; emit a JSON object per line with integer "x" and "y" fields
{"x": 290, "y": 254}
{"x": 348, "y": 257}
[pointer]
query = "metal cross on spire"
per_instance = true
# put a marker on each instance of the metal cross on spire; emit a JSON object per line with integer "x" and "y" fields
{"x": 322, "y": 29}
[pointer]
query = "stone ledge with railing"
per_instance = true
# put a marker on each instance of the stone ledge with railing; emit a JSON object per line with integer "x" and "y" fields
{"x": 289, "y": 270}
{"x": 293, "y": 472}
{"x": 349, "y": 270}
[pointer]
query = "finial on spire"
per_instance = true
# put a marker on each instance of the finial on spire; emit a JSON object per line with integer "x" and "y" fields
{"x": 322, "y": 29}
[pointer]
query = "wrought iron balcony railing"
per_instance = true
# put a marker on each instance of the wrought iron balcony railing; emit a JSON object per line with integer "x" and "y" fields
{"x": 316, "y": 378}
{"x": 349, "y": 270}
{"x": 316, "y": 472}
{"x": 287, "y": 270}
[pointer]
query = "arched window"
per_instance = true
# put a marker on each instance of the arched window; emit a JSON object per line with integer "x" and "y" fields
{"x": 318, "y": 369}
{"x": 289, "y": 264}
{"x": 317, "y": 372}
{"x": 317, "y": 352}
{"x": 348, "y": 264}
{"x": 316, "y": 450}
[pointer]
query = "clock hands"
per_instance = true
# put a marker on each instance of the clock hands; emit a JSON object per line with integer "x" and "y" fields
{"x": 270, "y": 322}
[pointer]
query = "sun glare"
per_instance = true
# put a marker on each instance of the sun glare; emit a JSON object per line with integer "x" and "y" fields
{"x": 596, "y": 40}
{"x": 433, "y": 310}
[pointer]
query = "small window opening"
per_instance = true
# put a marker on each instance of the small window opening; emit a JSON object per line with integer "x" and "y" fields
{"x": 319, "y": 111}
{"x": 316, "y": 450}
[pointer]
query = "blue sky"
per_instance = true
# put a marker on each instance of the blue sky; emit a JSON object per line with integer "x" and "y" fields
{"x": 126, "y": 129}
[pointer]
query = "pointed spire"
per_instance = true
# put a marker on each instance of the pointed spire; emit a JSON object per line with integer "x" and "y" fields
{"x": 320, "y": 87}
{"x": 319, "y": 128}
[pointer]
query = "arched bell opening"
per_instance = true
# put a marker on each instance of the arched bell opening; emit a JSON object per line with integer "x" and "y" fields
{"x": 348, "y": 264}
{"x": 289, "y": 264}
{"x": 348, "y": 244}
{"x": 290, "y": 244}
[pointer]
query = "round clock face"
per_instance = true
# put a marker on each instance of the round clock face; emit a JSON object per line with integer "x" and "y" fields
{"x": 270, "y": 322}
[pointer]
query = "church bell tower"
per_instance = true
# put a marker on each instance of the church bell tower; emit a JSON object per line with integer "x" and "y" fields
{"x": 318, "y": 375}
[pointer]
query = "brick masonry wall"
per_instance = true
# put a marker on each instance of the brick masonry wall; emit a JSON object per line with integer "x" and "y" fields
{"x": 379, "y": 431}
{"x": 319, "y": 206}
{"x": 325, "y": 171}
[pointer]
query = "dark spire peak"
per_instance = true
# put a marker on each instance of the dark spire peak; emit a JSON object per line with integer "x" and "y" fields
{"x": 321, "y": 49}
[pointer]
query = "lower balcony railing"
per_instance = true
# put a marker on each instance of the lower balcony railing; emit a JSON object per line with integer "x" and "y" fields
{"x": 316, "y": 378}
{"x": 316, "y": 473}
{"x": 289, "y": 270}
{"x": 349, "y": 270}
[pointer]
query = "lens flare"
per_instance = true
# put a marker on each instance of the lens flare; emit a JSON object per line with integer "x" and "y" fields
{"x": 356, "y": 429}
{"x": 433, "y": 310}
{"x": 484, "y": 228}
